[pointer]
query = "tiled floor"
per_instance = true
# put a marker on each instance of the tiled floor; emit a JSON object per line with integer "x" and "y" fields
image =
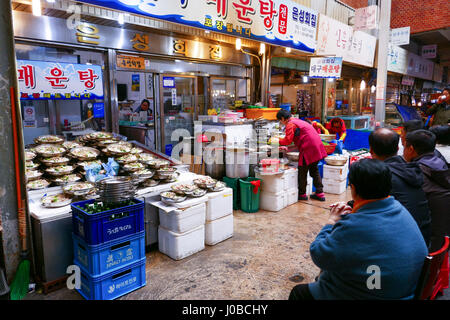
{"x": 266, "y": 257}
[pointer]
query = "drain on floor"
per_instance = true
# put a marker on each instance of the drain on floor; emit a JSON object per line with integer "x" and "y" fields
{"x": 297, "y": 278}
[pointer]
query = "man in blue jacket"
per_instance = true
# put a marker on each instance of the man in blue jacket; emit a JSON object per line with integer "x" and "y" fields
{"x": 374, "y": 250}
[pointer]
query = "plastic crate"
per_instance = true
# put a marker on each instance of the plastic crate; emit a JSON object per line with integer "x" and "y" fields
{"x": 356, "y": 139}
{"x": 108, "y": 225}
{"x": 114, "y": 284}
{"x": 266, "y": 113}
{"x": 100, "y": 259}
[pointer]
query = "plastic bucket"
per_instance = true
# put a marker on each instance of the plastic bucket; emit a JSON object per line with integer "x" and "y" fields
{"x": 249, "y": 199}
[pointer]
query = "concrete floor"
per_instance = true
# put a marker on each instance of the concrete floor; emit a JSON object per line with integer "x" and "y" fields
{"x": 266, "y": 257}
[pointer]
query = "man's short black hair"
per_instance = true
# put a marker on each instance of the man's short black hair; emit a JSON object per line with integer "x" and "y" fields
{"x": 384, "y": 142}
{"x": 371, "y": 178}
{"x": 412, "y": 125}
{"x": 283, "y": 114}
{"x": 442, "y": 134}
{"x": 423, "y": 141}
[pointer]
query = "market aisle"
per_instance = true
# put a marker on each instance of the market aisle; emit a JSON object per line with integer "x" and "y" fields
{"x": 267, "y": 256}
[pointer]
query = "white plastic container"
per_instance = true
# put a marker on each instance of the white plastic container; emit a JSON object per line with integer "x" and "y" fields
{"x": 182, "y": 220}
{"x": 219, "y": 230}
{"x": 292, "y": 196}
{"x": 273, "y": 201}
{"x": 219, "y": 204}
{"x": 271, "y": 183}
{"x": 337, "y": 173}
{"x": 290, "y": 179}
{"x": 181, "y": 245}
{"x": 333, "y": 186}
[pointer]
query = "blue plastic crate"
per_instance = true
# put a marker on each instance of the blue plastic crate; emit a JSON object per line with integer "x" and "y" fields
{"x": 113, "y": 284}
{"x": 110, "y": 256}
{"x": 108, "y": 225}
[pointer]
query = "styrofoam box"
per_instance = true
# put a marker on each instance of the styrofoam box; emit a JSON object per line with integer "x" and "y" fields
{"x": 292, "y": 196}
{"x": 333, "y": 186}
{"x": 273, "y": 201}
{"x": 290, "y": 179}
{"x": 181, "y": 245}
{"x": 182, "y": 220}
{"x": 219, "y": 230}
{"x": 309, "y": 187}
{"x": 219, "y": 204}
{"x": 337, "y": 173}
{"x": 271, "y": 183}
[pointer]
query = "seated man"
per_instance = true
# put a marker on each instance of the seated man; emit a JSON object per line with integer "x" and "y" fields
{"x": 377, "y": 235}
{"x": 420, "y": 148}
{"x": 407, "y": 178}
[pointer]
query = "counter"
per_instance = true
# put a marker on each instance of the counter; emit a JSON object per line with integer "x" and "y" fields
{"x": 234, "y": 132}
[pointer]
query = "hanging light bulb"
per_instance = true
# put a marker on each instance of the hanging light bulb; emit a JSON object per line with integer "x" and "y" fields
{"x": 262, "y": 48}
{"x": 363, "y": 85}
{"x": 373, "y": 88}
{"x": 36, "y": 6}
{"x": 305, "y": 79}
{"x": 238, "y": 44}
{"x": 330, "y": 79}
{"x": 288, "y": 50}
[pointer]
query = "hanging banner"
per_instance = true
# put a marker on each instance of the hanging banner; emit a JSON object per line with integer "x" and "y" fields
{"x": 338, "y": 39}
{"x": 278, "y": 22}
{"x": 430, "y": 51}
{"x": 407, "y": 81}
{"x": 397, "y": 59}
{"x": 400, "y": 36}
{"x": 420, "y": 67}
{"x": 325, "y": 67}
{"x": 41, "y": 80}
{"x": 366, "y": 18}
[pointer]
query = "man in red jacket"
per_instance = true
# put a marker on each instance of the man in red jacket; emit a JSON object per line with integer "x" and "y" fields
{"x": 311, "y": 150}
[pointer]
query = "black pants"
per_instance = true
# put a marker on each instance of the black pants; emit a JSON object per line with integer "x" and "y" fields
{"x": 301, "y": 292}
{"x": 313, "y": 170}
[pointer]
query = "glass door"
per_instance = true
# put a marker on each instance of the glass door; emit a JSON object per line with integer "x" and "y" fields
{"x": 223, "y": 92}
{"x": 178, "y": 96}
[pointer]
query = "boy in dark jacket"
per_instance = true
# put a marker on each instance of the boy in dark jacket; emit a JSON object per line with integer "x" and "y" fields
{"x": 407, "y": 178}
{"x": 420, "y": 148}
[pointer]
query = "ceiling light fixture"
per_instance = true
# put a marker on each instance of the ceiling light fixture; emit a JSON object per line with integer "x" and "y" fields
{"x": 36, "y": 6}
{"x": 288, "y": 50}
{"x": 262, "y": 49}
{"x": 238, "y": 44}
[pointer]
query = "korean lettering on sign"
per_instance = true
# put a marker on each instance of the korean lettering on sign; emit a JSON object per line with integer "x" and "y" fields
{"x": 325, "y": 67}
{"x": 130, "y": 62}
{"x": 86, "y": 32}
{"x": 49, "y": 80}
{"x": 140, "y": 42}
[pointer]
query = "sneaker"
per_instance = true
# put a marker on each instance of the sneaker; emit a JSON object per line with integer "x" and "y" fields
{"x": 318, "y": 196}
{"x": 303, "y": 197}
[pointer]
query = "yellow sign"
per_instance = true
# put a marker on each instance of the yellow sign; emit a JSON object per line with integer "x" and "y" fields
{"x": 87, "y": 32}
{"x": 130, "y": 62}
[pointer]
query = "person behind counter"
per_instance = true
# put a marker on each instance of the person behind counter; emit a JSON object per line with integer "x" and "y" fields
{"x": 145, "y": 106}
{"x": 311, "y": 151}
{"x": 318, "y": 126}
{"x": 337, "y": 126}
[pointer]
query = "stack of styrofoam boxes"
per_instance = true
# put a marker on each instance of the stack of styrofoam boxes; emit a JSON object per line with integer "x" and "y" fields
{"x": 335, "y": 178}
{"x": 309, "y": 185}
{"x": 181, "y": 231}
{"x": 109, "y": 248}
{"x": 279, "y": 190}
{"x": 219, "y": 217}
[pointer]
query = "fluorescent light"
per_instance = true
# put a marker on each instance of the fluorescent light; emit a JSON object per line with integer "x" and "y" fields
{"x": 207, "y": 31}
{"x": 305, "y": 79}
{"x": 36, "y": 5}
{"x": 330, "y": 79}
{"x": 262, "y": 48}
{"x": 238, "y": 44}
{"x": 363, "y": 85}
{"x": 121, "y": 18}
{"x": 373, "y": 89}
{"x": 288, "y": 50}
{"x": 176, "y": 60}
{"x": 51, "y": 1}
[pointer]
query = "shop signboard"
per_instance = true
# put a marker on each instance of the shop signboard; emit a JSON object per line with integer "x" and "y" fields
{"x": 366, "y": 18}
{"x": 400, "y": 36}
{"x": 29, "y": 113}
{"x": 278, "y": 22}
{"x": 42, "y": 80}
{"x": 397, "y": 59}
{"x": 430, "y": 51}
{"x": 168, "y": 82}
{"x": 438, "y": 73}
{"x": 99, "y": 110}
{"x": 330, "y": 67}
{"x": 420, "y": 67}
{"x": 338, "y": 39}
{"x": 407, "y": 81}
{"x": 130, "y": 62}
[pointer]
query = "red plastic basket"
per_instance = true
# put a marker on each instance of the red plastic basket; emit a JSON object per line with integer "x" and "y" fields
{"x": 330, "y": 148}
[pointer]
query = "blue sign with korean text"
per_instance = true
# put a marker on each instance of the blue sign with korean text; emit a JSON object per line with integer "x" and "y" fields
{"x": 278, "y": 22}
{"x": 99, "y": 110}
{"x": 168, "y": 82}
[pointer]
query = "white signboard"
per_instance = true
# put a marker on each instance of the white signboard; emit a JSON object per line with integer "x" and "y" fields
{"x": 407, "y": 81}
{"x": 338, "y": 39}
{"x": 420, "y": 67}
{"x": 400, "y": 36}
{"x": 330, "y": 67}
{"x": 279, "y": 22}
{"x": 366, "y": 18}
{"x": 397, "y": 59}
{"x": 174, "y": 96}
{"x": 29, "y": 114}
{"x": 430, "y": 51}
